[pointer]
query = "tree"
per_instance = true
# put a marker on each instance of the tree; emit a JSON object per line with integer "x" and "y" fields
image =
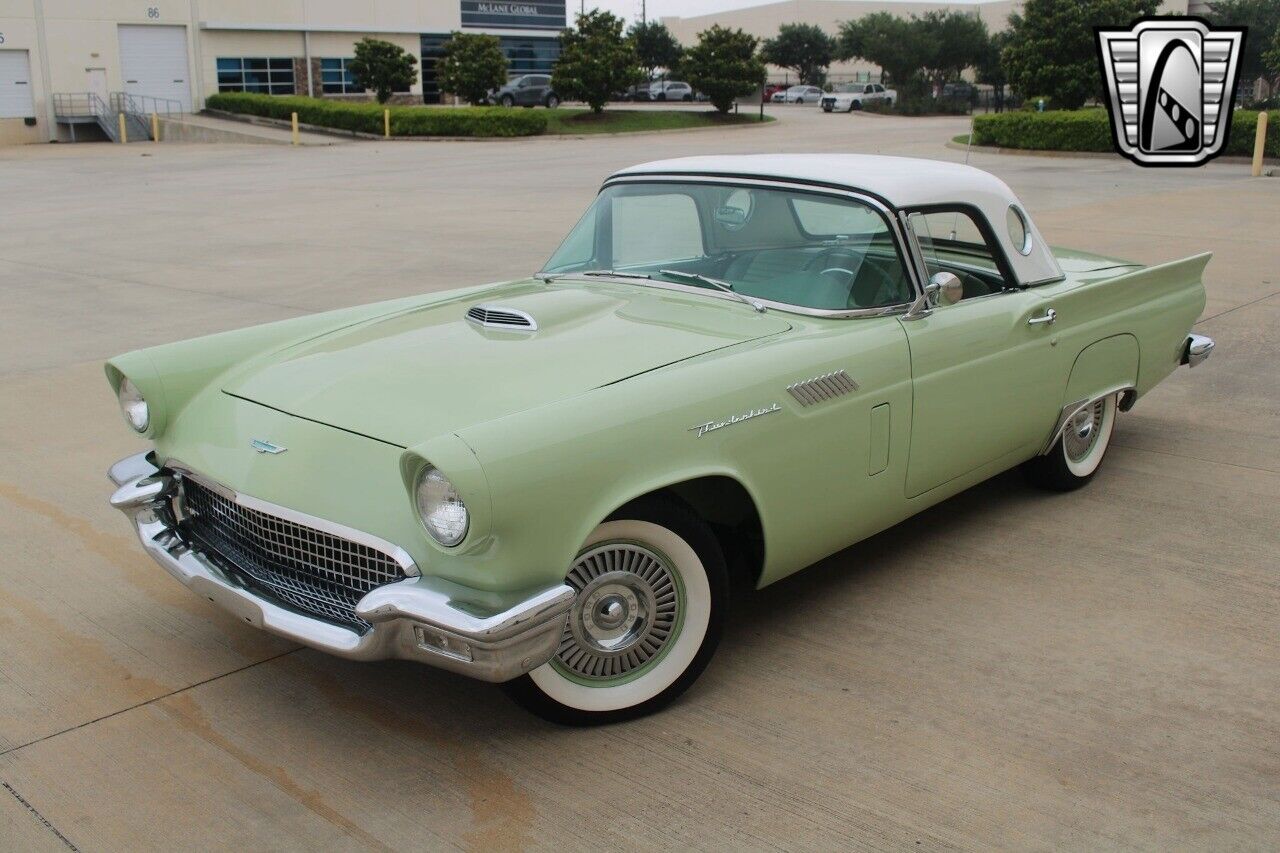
{"x": 1262, "y": 17}
{"x": 383, "y": 67}
{"x": 595, "y": 60}
{"x": 1272, "y": 59}
{"x": 989, "y": 68}
{"x": 804, "y": 48}
{"x": 470, "y": 65}
{"x": 1052, "y": 50}
{"x": 655, "y": 46}
{"x": 723, "y": 65}
{"x": 894, "y": 43}
{"x": 953, "y": 42}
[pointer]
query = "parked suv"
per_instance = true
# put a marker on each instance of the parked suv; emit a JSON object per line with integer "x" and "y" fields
{"x": 670, "y": 90}
{"x": 528, "y": 90}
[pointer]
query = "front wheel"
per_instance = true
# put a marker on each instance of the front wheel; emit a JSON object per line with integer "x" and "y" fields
{"x": 508, "y": 101}
{"x": 652, "y": 590}
{"x": 1077, "y": 454}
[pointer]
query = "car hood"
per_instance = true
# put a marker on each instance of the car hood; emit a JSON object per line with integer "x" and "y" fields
{"x": 425, "y": 371}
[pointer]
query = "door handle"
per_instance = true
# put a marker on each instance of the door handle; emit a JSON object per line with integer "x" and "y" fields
{"x": 1049, "y": 316}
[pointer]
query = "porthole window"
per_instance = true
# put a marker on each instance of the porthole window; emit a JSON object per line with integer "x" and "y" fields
{"x": 1019, "y": 231}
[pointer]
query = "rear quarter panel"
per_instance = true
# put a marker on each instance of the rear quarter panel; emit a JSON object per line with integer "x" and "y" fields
{"x": 1154, "y": 306}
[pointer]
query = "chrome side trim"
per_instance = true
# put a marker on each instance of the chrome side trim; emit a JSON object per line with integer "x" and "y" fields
{"x": 819, "y": 389}
{"x": 1196, "y": 349}
{"x": 392, "y": 550}
{"x": 1070, "y": 410}
{"x": 416, "y": 619}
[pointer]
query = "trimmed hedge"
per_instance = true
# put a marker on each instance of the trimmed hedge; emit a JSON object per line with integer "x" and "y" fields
{"x": 367, "y": 117}
{"x": 1090, "y": 130}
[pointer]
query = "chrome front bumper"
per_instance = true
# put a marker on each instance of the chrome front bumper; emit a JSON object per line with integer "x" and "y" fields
{"x": 414, "y": 619}
{"x": 1196, "y": 349}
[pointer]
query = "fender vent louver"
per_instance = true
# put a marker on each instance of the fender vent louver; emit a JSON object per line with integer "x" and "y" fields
{"x": 497, "y": 317}
{"x": 822, "y": 388}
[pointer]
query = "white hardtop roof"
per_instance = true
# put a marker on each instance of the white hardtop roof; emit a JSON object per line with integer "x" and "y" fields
{"x": 901, "y": 181}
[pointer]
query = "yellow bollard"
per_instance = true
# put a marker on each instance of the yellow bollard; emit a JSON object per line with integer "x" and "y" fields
{"x": 124, "y": 131}
{"x": 386, "y": 123}
{"x": 155, "y": 127}
{"x": 1259, "y": 143}
{"x": 293, "y": 121}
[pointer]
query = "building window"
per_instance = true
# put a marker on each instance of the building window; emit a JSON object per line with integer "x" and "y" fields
{"x": 336, "y": 77}
{"x": 529, "y": 54}
{"x": 273, "y": 76}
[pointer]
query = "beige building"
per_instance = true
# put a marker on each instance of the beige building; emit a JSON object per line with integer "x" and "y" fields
{"x": 59, "y": 57}
{"x": 763, "y": 21}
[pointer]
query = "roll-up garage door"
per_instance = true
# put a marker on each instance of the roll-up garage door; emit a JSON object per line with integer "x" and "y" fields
{"x": 16, "y": 100}
{"x": 153, "y": 61}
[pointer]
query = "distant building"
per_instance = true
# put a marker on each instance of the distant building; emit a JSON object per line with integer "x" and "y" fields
{"x": 181, "y": 51}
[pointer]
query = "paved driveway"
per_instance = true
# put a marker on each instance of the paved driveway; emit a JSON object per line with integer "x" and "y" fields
{"x": 1012, "y": 669}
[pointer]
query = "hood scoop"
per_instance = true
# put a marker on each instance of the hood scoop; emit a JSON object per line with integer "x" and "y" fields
{"x": 499, "y": 317}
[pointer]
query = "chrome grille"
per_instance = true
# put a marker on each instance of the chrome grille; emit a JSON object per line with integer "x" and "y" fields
{"x": 496, "y": 317}
{"x": 310, "y": 569}
{"x": 821, "y": 388}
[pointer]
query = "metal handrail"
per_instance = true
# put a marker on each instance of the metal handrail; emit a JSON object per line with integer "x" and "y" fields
{"x": 144, "y": 105}
{"x": 76, "y": 104}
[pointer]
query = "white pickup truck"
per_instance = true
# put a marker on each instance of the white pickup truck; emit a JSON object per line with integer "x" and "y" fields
{"x": 853, "y": 96}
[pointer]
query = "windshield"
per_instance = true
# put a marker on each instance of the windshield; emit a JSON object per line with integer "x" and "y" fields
{"x": 786, "y": 246}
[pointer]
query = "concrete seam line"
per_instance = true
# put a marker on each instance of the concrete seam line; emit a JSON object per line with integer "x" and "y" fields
{"x": 36, "y": 814}
{"x": 144, "y": 703}
{"x": 1238, "y": 307}
{"x": 1141, "y": 449}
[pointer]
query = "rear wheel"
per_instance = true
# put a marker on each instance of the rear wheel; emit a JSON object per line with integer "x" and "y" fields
{"x": 553, "y": 101}
{"x": 652, "y": 591}
{"x": 1077, "y": 454}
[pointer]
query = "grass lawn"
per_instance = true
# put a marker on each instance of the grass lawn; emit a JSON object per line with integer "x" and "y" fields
{"x": 962, "y": 139}
{"x": 578, "y": 120}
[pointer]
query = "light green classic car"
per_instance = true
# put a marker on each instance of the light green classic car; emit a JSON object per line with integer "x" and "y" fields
{"x": 731, "y": 368}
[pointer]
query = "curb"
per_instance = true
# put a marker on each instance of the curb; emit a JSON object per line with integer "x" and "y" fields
{"x": 280, "y": 124}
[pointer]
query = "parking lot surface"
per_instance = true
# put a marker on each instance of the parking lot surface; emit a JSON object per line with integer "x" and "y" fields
{"x": 1093, "y": 670}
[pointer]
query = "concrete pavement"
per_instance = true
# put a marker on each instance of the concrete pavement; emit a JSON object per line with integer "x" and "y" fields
{"x": 1011, "y": 669}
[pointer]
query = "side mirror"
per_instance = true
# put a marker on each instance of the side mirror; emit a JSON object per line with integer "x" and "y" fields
{"x": 943, "y": 289}
{"x": 949, "y": 287}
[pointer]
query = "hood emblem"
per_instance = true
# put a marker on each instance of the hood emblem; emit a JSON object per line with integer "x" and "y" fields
{"x": 712, "y": 426}
{"x": 266, "y": 447}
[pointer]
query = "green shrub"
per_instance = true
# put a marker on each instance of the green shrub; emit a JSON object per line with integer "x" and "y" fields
{"x": 1090, "y": 130}
{"x": 367, "y": 118}
{"x": 1056, "y": 130}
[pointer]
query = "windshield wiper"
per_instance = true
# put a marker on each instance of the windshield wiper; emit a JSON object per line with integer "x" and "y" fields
{"x": 552, "y": 276}
{"x": 717, "y": 283}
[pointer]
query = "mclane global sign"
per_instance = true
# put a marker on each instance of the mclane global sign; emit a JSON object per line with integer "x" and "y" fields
{"x": 514, "y": 14}
{"x": 1170, "y": 85}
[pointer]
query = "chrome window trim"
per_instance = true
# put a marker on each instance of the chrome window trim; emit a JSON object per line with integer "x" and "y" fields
{"x": 891, "y": 217}
{"x": 395, "y": 552}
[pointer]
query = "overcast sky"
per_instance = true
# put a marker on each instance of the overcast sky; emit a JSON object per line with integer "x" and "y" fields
{"x": 630, "y": 9}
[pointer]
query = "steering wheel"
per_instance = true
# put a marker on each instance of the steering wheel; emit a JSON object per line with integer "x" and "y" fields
{"x": 833, "y": 255}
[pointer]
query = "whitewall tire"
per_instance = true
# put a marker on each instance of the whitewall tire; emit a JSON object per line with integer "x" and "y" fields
{"x": 652, "y": 590}
{"x": 1079, "y": 450}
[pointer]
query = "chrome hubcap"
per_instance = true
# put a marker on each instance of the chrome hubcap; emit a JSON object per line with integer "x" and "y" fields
{"x": 624, "y": 614}
{"x": 1082, "y": 432}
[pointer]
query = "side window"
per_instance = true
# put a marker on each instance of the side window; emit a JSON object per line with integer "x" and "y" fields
{"x": 648, "y": 229}
{"x": 951, "y": 241}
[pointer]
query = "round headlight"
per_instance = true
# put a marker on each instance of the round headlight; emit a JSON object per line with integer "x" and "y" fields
{"x": 133, "y": 406}
{"x": 441, "y": 508}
